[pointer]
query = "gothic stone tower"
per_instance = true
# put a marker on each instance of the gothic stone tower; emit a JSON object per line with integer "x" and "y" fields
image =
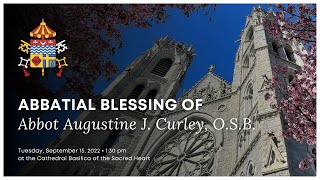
{"x": 263, "y": 151}
{"x": 156, "y": 74}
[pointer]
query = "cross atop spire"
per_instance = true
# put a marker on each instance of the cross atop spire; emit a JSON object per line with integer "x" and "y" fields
{"x": 211, "y": 68}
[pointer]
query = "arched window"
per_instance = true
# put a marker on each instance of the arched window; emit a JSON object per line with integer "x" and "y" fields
{"x": 251, "y": 169}
{"x": 245, "y": 67}
{"x": 162, "y": 67}
{"x": 186, "y": 153}
{"x": 275, "y": 47}
{"x": 289, "y": 53}
{"x": 135, "y": 93}
{"x": 151, "y": 94}
{"x": 249, "y": 34}
{"x": 246, "y": 63}
{"x": 248, "y": 38}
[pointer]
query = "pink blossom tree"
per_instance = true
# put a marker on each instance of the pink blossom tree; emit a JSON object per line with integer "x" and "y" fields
{"x": 297, "y": 94}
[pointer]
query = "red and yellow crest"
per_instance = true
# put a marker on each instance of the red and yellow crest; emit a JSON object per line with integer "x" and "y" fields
{"x": 43, "y": 50}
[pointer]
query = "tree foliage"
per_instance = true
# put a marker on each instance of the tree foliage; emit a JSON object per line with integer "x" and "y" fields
{"x": 297, "y": 88}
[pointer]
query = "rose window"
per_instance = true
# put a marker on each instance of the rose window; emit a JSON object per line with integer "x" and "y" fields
{"x": 186, "y": 154}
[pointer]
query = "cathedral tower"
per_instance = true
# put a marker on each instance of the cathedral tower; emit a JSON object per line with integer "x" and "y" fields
{"x": 263, "y": 151}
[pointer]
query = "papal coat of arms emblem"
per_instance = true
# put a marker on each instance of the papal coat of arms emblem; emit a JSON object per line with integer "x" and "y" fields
{"x": 43, "y": 49}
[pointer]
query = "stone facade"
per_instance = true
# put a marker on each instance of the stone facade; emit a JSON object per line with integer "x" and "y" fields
{"x": 260, "y": 151}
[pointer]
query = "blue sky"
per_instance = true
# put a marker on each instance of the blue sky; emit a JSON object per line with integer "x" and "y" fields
{"x": 214, "y": 41}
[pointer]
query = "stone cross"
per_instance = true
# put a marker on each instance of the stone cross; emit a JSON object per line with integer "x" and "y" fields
{"x": 211, "y": 68}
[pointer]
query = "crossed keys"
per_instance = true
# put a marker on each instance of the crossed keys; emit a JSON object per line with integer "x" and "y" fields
{"x": 61, "y": 46}
{"x": 24, "y": 47}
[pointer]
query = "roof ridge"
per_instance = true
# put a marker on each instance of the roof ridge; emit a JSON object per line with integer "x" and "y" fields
{"x": 214, "y": 74}
{"x": 195, "y": 85}
{"x": 209, "y": 73}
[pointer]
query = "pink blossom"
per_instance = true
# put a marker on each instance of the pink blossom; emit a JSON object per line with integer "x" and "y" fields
{"x": 297, "y": 99}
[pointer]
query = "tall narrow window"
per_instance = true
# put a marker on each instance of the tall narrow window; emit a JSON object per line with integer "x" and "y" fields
{"x": 275, "y": 47}
{"x": 162, "y": 67}
{"x": 290, "y": 79}
{"x": 289, "y": 53}
{"x": 151, "y": 94}
{"x": 135, "y": 93}
{"x": 245, "y": 67}
{"x": 251, "y": 169}
{"x": 249, "y": 34}
{"x": 247, "y": 39}
{"x": 249, "y": 99}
